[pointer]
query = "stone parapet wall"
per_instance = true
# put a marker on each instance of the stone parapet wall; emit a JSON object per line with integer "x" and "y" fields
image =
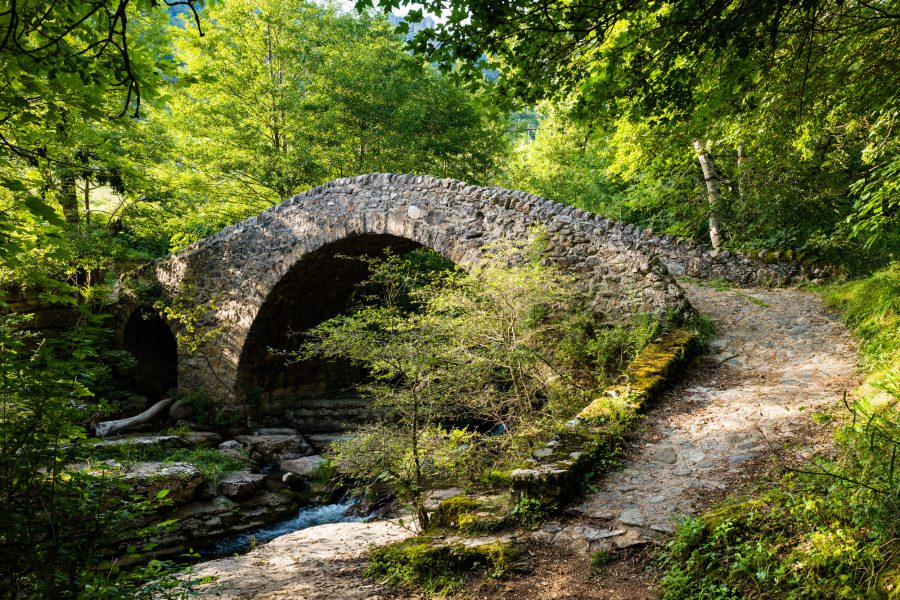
{"x": 688, "y": 258}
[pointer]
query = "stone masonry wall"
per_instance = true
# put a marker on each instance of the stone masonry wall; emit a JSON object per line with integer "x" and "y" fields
{"x": 623, "y": 269}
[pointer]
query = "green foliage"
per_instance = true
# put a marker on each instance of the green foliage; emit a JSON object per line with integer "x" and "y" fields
{"x": 439, "y": 568}
{"x": 59, "y": 523}
{"x": 313, "y": 94}
{"x": 213, "y": 464}
{"x": 454, "y": 357}
{"x": 531, "y": 511}
{"x": 871, "y": 306}
{"x": 600, "y": 559}
{"x": 806, "y": 159}
{"x": 323, "y": 473}
{"x": 613, "y": 349}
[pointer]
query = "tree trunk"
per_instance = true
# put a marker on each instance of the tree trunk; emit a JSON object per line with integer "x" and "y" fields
{"x": 68, "y": 198}
{"x": 712, "y": 191}
{"x": 87, "y": 202}
{"x": 741, "y": 160}
{"x": 108, "y": 428}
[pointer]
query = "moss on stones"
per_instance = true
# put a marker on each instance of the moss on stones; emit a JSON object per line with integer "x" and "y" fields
{"x": 592, "y": 439}
{"x": 472, "y": 515}
{"x": 449, "y": 511}
{"x": 440, "y": 567}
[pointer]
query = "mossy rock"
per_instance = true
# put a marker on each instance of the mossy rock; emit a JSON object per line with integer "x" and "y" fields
{"x": 591, "y": 440}
{"x": 472, "y": 515}
{"x": 648, "y": 374}
{"x": 425, "y": 562}
{"x": 448, "y": 512}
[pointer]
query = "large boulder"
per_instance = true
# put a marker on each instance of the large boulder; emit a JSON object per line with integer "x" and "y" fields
{"x": 241, "y": 484}
{"x": 233, "y": 448}
{"x": 201, "y": 439}
{"x": 206, "y": 520}
{"x": 149, "y": 478}
{"x": 276, "y": 447}
{"x": 303, "y": 466}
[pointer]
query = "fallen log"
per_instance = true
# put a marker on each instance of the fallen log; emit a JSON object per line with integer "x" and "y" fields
{"x": 108, "y": 428}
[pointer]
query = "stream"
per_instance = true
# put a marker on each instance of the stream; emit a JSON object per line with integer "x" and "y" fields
{"x": 308, "y": 516}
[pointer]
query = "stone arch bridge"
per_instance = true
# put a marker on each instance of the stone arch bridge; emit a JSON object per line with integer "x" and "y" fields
{"x": 281, "y": 271}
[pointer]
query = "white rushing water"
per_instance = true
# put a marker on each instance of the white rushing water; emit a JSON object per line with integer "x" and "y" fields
{"x": 309, "y": 516}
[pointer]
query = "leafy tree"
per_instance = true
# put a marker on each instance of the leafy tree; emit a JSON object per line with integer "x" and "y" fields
{"x": 453, "y": 356}
{"x": 414, "y": 379}
{"x": 278, "y": 97}
{"x": 803, "y": 91}
{"x": 69, "y": 68}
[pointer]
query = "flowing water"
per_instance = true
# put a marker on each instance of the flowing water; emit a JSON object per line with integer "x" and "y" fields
{"x": 309, "y": 516}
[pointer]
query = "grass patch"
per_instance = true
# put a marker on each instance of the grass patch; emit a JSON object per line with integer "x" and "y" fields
{"x": 600, "y": 559}
{"x": 213, "y": 464}
{"x": 871, "y": 306}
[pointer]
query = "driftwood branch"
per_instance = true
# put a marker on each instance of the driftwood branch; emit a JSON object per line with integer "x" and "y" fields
{"x": 108, "y": 428}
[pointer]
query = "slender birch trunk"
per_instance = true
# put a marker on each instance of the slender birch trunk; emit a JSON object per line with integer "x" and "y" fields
{"x": 712, "y": 191}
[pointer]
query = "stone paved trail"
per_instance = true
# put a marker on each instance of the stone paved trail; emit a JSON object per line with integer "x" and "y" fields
{"x": 777, "y": 356}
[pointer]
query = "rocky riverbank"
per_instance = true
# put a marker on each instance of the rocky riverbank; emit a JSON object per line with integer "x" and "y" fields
{"x": 213, "y": 488}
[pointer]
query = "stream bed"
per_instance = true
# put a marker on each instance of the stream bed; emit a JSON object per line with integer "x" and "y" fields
{"x": 308, "y": 516}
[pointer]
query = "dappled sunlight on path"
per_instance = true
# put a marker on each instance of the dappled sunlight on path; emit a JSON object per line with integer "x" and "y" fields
{"x": 776, "y": 357}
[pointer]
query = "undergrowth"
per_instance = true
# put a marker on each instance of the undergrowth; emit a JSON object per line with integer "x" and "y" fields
{"x": 871, "y": 306}
{"x": 830, "y": 529}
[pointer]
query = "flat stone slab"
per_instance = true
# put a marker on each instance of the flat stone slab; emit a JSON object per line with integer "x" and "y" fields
{"x": 632, "y": 517}
{"x": 318, "y": 563}
{"x": 149, "y": 478}
{"x": 201, "y": 439}
{"x": 276, "y": 447}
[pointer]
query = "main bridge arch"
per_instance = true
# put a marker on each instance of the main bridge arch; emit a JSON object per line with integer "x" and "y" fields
{"x": 279, "y": 270}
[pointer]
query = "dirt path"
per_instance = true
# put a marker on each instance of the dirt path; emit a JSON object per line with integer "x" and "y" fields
{"x": 777, "y": 357}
